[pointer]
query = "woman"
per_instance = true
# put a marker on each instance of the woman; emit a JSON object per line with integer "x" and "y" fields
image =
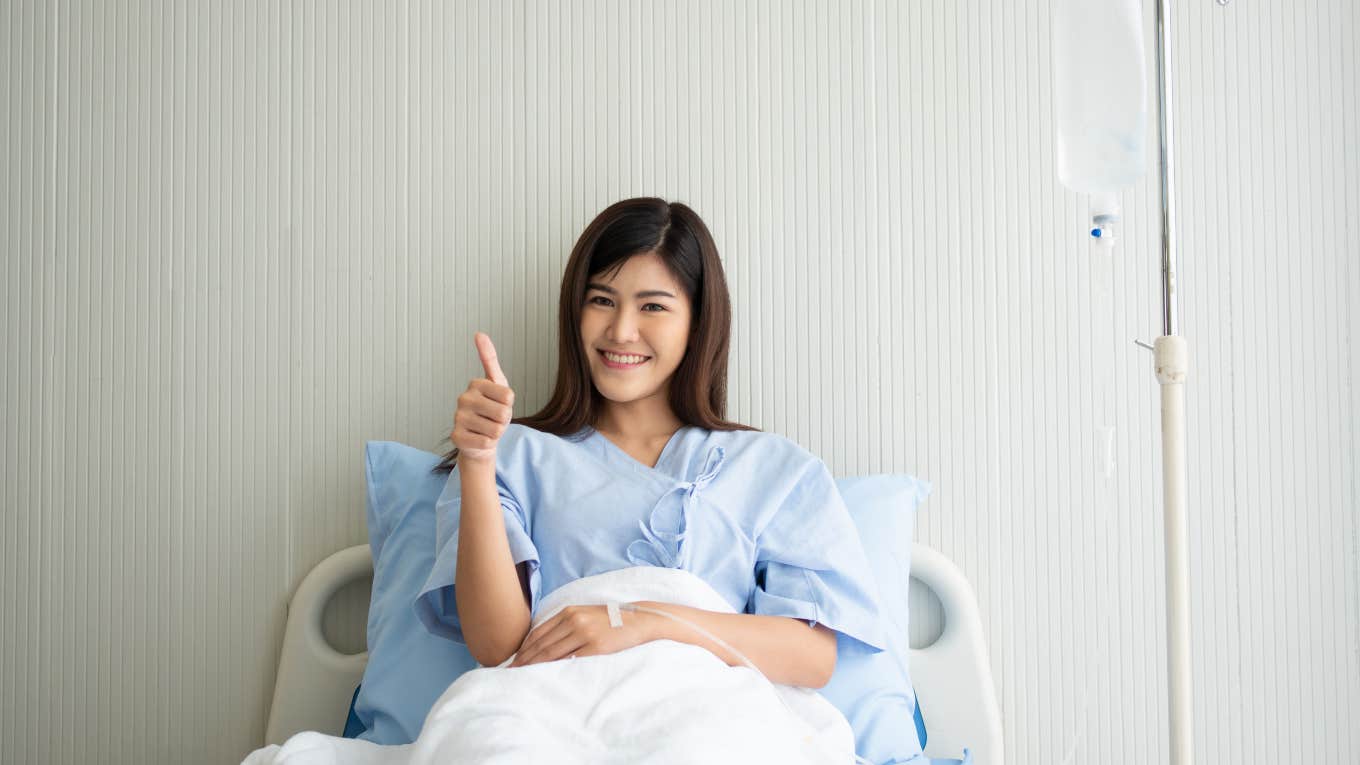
{"x": 631, "y": 463}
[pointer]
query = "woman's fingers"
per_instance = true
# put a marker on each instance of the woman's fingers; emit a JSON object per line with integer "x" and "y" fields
{"x": 480, "y": 424}
{"x": 501, "y": 396}
{"x": 535, "y": 636}
{"x": 485, "y": 409}
{"x": 529, "y": 654}
{"x": 490, "y": 363}
{"x": 557, "y": 649}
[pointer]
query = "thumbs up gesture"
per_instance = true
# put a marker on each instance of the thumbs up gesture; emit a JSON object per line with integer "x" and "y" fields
{"x": 484, "y": 409}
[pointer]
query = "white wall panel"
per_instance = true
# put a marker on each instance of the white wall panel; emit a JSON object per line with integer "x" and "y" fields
{"x": 242, "y": 238}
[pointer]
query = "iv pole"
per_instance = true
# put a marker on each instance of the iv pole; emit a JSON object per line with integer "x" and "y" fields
{"x": 1171, "y": 356}
{"x": 1172, "y": 361}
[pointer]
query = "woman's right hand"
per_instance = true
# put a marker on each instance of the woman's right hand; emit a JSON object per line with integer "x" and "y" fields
{"x": 484, "y": 409}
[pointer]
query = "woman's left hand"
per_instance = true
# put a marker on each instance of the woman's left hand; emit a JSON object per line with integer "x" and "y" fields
{"x": 581, "y": 631}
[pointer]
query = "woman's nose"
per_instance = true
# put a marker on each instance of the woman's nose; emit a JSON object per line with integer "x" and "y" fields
{"x": 623, "y": 329}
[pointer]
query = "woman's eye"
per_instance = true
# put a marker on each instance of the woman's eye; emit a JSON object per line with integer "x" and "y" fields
{"x": 608, "y": 302}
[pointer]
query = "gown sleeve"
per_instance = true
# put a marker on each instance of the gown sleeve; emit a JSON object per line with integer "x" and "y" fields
{"x": 811, "y": 565}
{"x": 436, "y": 606}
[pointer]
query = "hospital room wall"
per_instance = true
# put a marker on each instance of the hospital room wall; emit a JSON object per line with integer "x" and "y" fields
{"x": 242, "y": 238}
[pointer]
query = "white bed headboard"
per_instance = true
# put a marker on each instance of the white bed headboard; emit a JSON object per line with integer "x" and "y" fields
{"x": 952, "y": 676}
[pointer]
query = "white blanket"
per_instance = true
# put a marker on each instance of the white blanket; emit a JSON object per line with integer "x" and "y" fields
{"x": 659, "y": 702}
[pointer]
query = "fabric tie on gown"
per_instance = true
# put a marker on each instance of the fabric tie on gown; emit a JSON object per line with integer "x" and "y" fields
{"x": 666, "y": 533}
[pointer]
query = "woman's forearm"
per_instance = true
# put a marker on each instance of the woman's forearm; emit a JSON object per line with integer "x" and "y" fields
{"x": 785, "y": 649}
{"x": 489, "y": 595}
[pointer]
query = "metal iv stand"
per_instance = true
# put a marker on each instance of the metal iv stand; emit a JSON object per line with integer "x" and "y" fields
{"x": 1172, "y": 360}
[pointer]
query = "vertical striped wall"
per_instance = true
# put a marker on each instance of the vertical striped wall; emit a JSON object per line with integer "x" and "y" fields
{"x": 241, "y": 238}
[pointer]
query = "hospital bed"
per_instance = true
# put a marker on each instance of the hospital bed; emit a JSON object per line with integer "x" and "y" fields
{"x": 952, "y": 677}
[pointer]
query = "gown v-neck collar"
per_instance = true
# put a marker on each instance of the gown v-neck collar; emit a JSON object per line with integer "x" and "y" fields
{"x": 659, "y": 469}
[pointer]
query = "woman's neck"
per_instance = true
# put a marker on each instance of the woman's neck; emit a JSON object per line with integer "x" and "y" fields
{"x": 637, "y": 422}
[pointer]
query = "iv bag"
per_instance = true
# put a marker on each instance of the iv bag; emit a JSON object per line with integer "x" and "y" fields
{"x": 1100, "y": 94}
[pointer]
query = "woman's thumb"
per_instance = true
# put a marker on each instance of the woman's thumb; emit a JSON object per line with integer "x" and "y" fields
{"x": 487, "y": 351}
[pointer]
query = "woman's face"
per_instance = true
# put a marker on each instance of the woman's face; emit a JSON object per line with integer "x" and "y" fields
{"x": 630, "y": 315}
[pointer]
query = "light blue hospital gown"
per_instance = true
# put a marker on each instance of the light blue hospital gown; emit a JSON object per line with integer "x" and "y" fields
{"x": 754, "y": 514}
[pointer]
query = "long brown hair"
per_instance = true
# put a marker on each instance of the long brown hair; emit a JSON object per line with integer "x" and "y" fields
{"x": 698, "y": 389}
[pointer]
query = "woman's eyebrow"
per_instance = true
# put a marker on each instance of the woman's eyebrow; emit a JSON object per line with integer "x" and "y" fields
{"x": 643, "y": 294}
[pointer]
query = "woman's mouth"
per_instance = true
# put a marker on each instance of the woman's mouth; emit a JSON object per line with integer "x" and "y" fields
{"x": 616, "y": 361}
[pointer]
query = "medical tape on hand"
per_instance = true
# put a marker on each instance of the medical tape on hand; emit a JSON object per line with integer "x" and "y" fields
{"x": 615, "y": 618}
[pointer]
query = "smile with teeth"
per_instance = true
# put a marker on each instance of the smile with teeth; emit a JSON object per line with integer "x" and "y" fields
{"x": 616, "y": 360}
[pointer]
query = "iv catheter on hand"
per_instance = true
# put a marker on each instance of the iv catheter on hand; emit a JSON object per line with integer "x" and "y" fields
{"x": 616, "y": 620}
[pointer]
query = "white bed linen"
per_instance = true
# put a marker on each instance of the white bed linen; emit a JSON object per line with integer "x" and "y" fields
{"x": 659, "y": 702}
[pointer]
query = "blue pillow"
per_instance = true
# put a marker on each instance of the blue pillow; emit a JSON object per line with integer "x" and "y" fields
{"x": 408, "y": 668}
{"x": 874, "y": 691}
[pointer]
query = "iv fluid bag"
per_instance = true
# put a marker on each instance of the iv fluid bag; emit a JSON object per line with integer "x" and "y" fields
{"x": 1100, "y": 93}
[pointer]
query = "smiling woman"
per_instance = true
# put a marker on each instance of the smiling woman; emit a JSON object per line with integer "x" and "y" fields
{"x": 644, "y": 278}
{"x": 637, "y": 343}
{"x": 631, "y": 466}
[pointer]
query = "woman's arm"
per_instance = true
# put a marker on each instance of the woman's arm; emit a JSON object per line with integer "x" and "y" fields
{"x": 786, "y": 649}
{"x": 491, "y": 596}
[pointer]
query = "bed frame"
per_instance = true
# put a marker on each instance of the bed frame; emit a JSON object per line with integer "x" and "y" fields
{"x": 952, "y": 676}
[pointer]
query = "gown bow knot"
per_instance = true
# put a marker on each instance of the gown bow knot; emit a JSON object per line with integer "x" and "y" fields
{"x": 665, "y": 535}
